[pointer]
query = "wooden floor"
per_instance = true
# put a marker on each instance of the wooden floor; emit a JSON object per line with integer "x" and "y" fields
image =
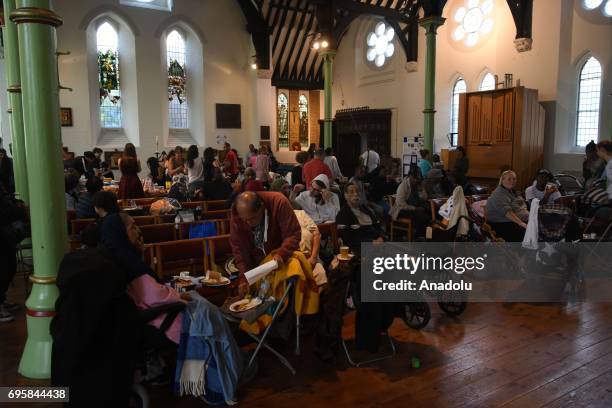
{"x": 510, "y": 355}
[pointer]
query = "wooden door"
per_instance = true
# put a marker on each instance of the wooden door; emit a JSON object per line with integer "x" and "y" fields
{"x": 498, "y": 118}
{"x": 508, "y": 117}
{"x": 474, "y": 120}
{"x": 486, "y": 118}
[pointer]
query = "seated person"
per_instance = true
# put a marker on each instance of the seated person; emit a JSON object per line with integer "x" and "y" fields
{"x": 156, "y": 172}
{"x": 593, "y": 166}
{"x": 506, "y": 210}
{"x": 436, "y": 184}
{"x": 105, "y": 203}
{"x": 411, "y": 201}
{"x": 85, "y": 208}
{"x": 250, "y": 182}
{"x": 424, "y": 162}
{"x": 71, "y": 185}
{"x": 359, "y": 180}
{"x": 319, "y": 202}
{"x": 353, "y": 213}
{"x": 543, "y": 188}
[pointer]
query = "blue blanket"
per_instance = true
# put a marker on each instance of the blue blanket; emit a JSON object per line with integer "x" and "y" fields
{"x": 209, "y": 362}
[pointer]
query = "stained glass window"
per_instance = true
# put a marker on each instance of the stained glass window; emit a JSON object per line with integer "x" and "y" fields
{"x": 459, "y": 88}
{"x": 589, "y": 98}
{"x": 488, "y": 82}
{"x": 178, "y": 108}
{"x": 303, "y": 111}
{"x": 283, "y": 120}
{"x": 107, "y": 44}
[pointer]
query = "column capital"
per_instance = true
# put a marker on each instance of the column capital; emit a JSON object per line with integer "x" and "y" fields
{"x": 36, "y": 15}
{"x": 328, "y": 53}
{"x": 431, "y": 23}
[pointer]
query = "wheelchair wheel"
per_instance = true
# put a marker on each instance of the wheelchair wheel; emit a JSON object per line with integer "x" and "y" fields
{"x": 417, "y": 315}
{"x": 453, "y": 309}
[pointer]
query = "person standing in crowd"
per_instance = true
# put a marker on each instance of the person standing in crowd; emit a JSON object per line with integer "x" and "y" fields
{"x": 129, "y": 165}
{"x": 604, "y": 150}
{"x": 371, "y": 160}
{"x": 315, "y": 167}
{"x": 332, "y": 163}
{"x": 506, "y": 210}
{"x": 593, "y": 166}
{"x": 247, "y": 157}
{"x": 176, "y": 164}
{"x": 11, "y": 211}
{"x": 156, "y": 173}
{"x": 262, "y": 223}
{"x": 297, "y": 171}
{"x": 543, "y": 188}
{"x": 195, "y": 165}
{"x": 461, "y": 167}
{"x": 319, "y": 202}
{"x": 6, "y": 172}
{"x": 262, "y": 165}
{"x": 85, "y": 207}
{"x": 230, "y": 163}
{"x": 424, "y": 163}
{"x": 252, "y": 161}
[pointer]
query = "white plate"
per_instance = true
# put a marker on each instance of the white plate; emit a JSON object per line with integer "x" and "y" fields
{"x": 222, "y": 282}
{"x": 348, "y": 258}
{"x": 251, "y": 303}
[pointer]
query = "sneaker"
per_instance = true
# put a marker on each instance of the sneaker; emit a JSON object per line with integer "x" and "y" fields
{"x": 5, "y": 315}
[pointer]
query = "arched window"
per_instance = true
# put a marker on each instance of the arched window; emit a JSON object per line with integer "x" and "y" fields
{"x": 589, "y": 102}
{"x": 178, "y": 110}
{"x": 107, "y": 44}
{"x": 303, "y": 111}
{"x": 459, "y": 88}
{"x": 283, "y": 120}
{"x": 488, "y": 82}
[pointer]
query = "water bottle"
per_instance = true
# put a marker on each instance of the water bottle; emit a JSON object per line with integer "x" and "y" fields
{"x": 263, "y": 289}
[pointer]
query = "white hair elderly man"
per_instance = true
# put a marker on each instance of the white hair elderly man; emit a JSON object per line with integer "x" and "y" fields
{"x": 319, "y": 202}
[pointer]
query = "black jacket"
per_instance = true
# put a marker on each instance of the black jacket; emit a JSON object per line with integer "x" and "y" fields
{"x": 353, "y": 237}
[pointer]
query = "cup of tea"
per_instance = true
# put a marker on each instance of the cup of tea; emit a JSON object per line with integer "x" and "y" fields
{"x": 344, "y": 252}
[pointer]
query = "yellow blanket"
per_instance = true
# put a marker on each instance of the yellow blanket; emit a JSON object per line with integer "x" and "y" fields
{"x": 305, "y": 290}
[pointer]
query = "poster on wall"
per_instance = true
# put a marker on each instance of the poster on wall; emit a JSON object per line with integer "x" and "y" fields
{"x": 410, "y": 151}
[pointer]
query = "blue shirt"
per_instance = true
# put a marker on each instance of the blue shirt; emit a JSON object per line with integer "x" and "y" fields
{"x": 425, "y": 166}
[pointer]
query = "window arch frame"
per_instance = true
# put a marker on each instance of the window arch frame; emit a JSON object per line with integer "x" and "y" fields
{"x": 186, "y": 112}
{"x": 117, "y": 29}
{"x": 579, "y": 83}
{"x": 487, "y": 75}
{"x": 454, "y": 118}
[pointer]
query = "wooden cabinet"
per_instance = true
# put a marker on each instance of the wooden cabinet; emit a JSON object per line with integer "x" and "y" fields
{"x": 502, "y": 129}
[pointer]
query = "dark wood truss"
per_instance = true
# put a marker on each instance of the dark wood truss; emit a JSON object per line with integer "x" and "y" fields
{"x": 283, "y": 30}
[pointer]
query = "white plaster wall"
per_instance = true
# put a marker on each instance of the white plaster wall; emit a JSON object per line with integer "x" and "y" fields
{"x": 560, "y": 37}
{"x": 226, "y": 76}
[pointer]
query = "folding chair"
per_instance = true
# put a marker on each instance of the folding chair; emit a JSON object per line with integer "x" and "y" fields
{"x": 261, "y": 340}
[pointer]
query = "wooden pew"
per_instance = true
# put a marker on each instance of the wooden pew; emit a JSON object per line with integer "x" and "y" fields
{"x": 181, "y": 255}
{"x": 155, "y": 233}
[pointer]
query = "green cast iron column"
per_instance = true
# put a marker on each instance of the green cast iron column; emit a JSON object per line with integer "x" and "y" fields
{"x": 36, "y": 24}
{"x": 431, "y": 25}
{"x": 328, "y": 62}
{"x": 11, "y": 58}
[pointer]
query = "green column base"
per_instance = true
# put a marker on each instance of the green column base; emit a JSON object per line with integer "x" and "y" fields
{"x": 36, "y": 358}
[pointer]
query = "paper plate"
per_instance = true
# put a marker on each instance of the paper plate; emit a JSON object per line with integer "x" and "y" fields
{"x": 244, "y": 305}
{"x": 347, "y": 258}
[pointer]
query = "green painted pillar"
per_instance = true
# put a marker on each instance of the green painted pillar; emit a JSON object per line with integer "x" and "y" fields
{"x": 431, "y": 25}
{"x": 36, "y": 24}
{"x": 328, "y": 62}
{"x": 11, "y": 59}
